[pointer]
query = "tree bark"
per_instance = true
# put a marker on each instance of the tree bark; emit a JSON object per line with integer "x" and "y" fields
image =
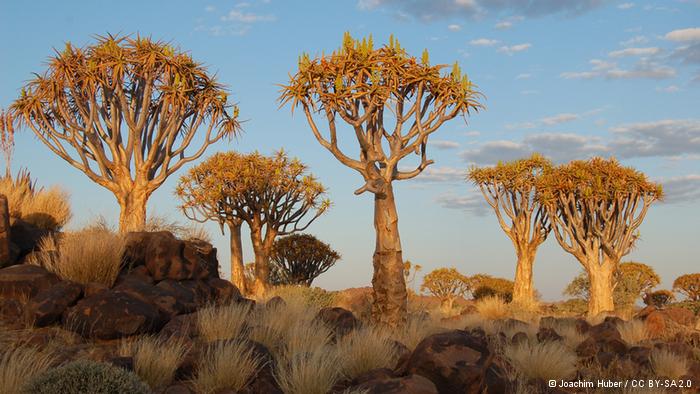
{"x": 388, "y": 284}
{"x": 523, "y": 291}
{"x": 237, "y": 268}
{"x": 601, "y": 291}
{"x": 132, "y": 214}
{"x": 262, "y": 248}
{"x": 446, "y": 306}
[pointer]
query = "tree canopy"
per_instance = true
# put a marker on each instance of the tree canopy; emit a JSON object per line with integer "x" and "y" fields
{"x": 300, "y": 258}
{"x": 688, "y": 285}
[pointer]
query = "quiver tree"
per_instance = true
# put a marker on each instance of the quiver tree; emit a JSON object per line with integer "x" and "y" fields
{"x": 631, "y": 281}
{"x": 274, "y": 195}
{"x": 392, "y": 103}
{"x": 659, "y": 298}
{"x": 126, "y": 111}
{"x": 298, "y": 259}
{"x": 509, "y": 188}
{"x": 596, "y": 207}
{"x": 446, "y": 284}
{"x": 7, "y": 140}
{"x": 688, "y": 285}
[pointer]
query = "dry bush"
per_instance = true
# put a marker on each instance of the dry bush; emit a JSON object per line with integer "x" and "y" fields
{"x": 366, "y": 349}
{"x": 633, "y": 331}
{"x": 222, "y": 322}
{"x": 546, "y": 360}
{"x": 21, "y": 365}
{"x": 492, "y": 307}
{"x": 668, "y": 364}
{"x": 312, "y": 297}
{"x": 314, "y": 372}
{"x": 155, "y": 359}
{"x": 226, "y": 365}
{"x": 84, "y": 256}
{"x": 47, "y": 209}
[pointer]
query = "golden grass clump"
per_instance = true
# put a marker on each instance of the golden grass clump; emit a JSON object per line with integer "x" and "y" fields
{"x": 303, "y": 336}
{"x": 21, "y": 365}
{"x": 366, "y": 349}
{"x": 415, "y": 330}
{"x": 633, "y": 331}
{"x": 492, "y": 307}
{"x": 222, "y": 322}
{"x": 47, "y": 209}
{"x": 546, "y": 360}
{"x": 226, "y": 365}
{"x": 84, "y": 256}
{"x": 155, "y": 359}
{"x": 271, "y": 326}
{"x": 668, "y": 364}
{"x": 314, "y": 372}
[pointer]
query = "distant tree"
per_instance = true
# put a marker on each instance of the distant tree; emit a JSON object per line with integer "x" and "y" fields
{"x": 579, "y": 287}
{"x": 298, "y": 259}
{"x": 410, "y": 271}
{"x": 274, "y": 195}
{"x": 446, "y": 284}
{"x": 488, "y": 286}
{"x": 631, "y": 281}
{"x": 126, "y": 112}
{"x": 392, "y": 102}
{"x": 7, "y": 140}
{"x": 596, "y": 207}
{"x": 659, "y": 298}
{"x": 688, "y": 285}
{"x": 509, "y": 188}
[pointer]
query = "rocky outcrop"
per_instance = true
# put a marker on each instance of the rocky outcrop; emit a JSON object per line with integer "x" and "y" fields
{"x": 340, "y": 320}
{"x": 48, "y": 305}
{"x": 21, "y": 282}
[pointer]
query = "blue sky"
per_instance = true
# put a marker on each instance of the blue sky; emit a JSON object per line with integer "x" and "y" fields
{"x": 570, "y": 79}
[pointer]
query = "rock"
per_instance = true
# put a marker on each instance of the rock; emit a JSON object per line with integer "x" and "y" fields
{"x": 275, "y": 302}
{"x": 192, "y": 294}
{"x": 139, "y": 273}
{"x": 25, "y": 237}
{"x": 582, "y": 326}
{"x": 548, "y": 334}
{"x": 497, "y": 378}
{"x": 605, "y": 358}
{"x": 10, "y": 311}
{"x": 93, "y": 288}
{"x": 640, "y": 355}
{"x": 455, "y": 361}
{"x": 604, "y": 331}
{"x": 264, "y": 382}
{"x": 6, "y": 257}
{"x": 411, "y": 384}
{"x": 340, "y": 320}
{"x": 178, "y": 389}
{"x": 111, "y": 315}
{"x": 164, "y": 299}
{"x": 614, "y": 320}
{"x": 121, "y": 362}
{"x": 49, "y": 304}
{"x": 21, "y": 282}
{"x": 588, "y": 348}
{"x": 665, "y": 322}
{"x": 166, "y": 257}
{"x": 182, "y": 326}
{"x": 511, "y": 325}
{"x": 519, "y": 337}
{"x": 223, "y": 291}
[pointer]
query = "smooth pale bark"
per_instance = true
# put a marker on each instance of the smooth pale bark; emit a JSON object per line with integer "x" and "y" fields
{"x": 601, "y": 291}
{"x": 523, "y": 290}
{"x": 132, "y": 214}
{"x": 388, "y": 284}
{"x": 237, "y": 268}
{"x": 262, "y": 247}
{"x": 446, "y": 305}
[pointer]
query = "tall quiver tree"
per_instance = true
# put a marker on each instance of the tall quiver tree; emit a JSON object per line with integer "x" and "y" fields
{"x": 596, "y": 207}
{"x": 273, "y": 195}
{"x": 509, "y": 188}
{"x": 126, "y": 112}
{"x": 392, "y": 102}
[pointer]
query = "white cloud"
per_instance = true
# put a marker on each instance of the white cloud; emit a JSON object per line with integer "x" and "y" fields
{"x": 503, "y": 25}
{"x": 247, "y": 17}
{"x": 681, "y": 189}
{"x": 691, "y": 34}
{"x": 471, "y": 202}
{"x": 669, "y": 89}
{"x": 442, "y": 144}
{"x": 625, "y": 6}
{"x": 509, "y": 50}
{"x": 442, "y": 174}
{"x": 663, "y": 138}
{"x": 649, "y": 51}
{"x": 634, "y": 41}
{"x": 523, "y": 76}
{"x": 558, "y": 119}
{"x": 483, "y": 42}
{"x": 643, "y": 69}
{"x": 210, "y": 8}
{"x": 454, "y": 27}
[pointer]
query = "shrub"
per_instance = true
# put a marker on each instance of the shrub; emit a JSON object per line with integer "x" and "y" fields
{"x": 226, "y": 365}
{"x": 659, "y": 298}
{"x": 668, "y": 364}
{"x": 572, "y": 306}
{"x": 222, "y": 322}
{"x": 298, "y": 259}
{"x": 155, "y": 359}
{"x": 366, "y": 349}
{"x": 84, "y": 256}
{"x": 546, "y": 360}
{"x": 47, "y": 209}
{"x": 688, "y": 285}
{"x": 313, "y": 297}
{"x": 84, "y": 376}
{"x": 487, "y": 286}
{"x": 314, "y": 372}
{"x": 492, "y": 307}
{"x": 633, "y": 331}
{"x": 21, "y": 365}
{"x": 693, "y": 306}
{"x": 447, "y": 284}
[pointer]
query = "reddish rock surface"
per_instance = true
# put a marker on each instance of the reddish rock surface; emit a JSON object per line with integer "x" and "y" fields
{"x": 49, "y": 304}
{"x": 340, "y": 320}
{"x": 21, "y": 282}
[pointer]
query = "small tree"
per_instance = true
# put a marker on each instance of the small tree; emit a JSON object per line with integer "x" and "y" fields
{"x": 125, "y": 111}
{"x": 392, "y": 102}
{"x": 688, "y": 285}
{"x": 446, "y": 284}
{"x": 300, "y": 258}
{"x": 659, "y": 298}
{"x": 596, "y": 208}
{"x": 410, "y": 271}
{"x": 631, "y": 281}
{"x": 273, "y": 195}
{"x": 489, "y": 286}
{"x": 509, "y": 188}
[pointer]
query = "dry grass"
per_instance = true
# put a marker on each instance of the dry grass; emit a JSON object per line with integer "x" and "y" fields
{"x": 366, "y": 349}
{"x": 19, "y": 366}
{"x": 668, "y": 364}
{"x": 45, "y": 208}
{"x": 222, "y": 322}
{"x": 492, "y": 308}
{"x": 313, "y": 372}
{"x": 84, "y": 256}
{"x": 546, "y": 360}
{"x": 155, "y": 359}
{"x": 415, "y": 330}
{"x": 157, "y": 222}
{"x": 633, "y": 331}
{"x": 226, "y": 365}
{"x": 271, "y": 326}
{"x": 569, "y": 332}
{"x": 303, "y": 336}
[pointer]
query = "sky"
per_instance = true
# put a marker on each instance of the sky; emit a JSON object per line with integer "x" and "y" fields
{"x": 570, "y": 79}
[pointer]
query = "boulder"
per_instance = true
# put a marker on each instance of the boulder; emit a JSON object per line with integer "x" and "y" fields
{"x": 178, "y": 389}
{"x": 25, "y": 237}
{"x": 6, "y": 257}
{"x": 21, "y": 282}
{"x": 10, "y": 311}
{"x": 192, "y": 294}
{"x": 112, "y": 314}
{"x": 275, "y": 302}
{"x": 548, "y": 334}
{"x": 519, "y": 337}
{"x": 455, "y": 361}
{"x": 164, "y": 299}
{"x": 181, "y": 326}
{"x": 92, "y": 288}
{"x": 665, "y": 322}
{"x": 223, "y": 291}
{"x": 604, "y": 331}
{"x": 411, "y": 384}
{"x": 340, "y": 320}
{"x": 49, "y": 304}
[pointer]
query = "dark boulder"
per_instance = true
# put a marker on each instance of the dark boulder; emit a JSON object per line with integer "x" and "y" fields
{"x": 21, "y": 282}
{"x": 49, "y": 304}
{"x": 340, "y": 320}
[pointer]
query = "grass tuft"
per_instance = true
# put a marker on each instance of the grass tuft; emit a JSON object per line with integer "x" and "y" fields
{"x": 492, "y": 307}
{"x": 366, "y": 349}
{"x": 633, "y": 331}
{"x": 222, "y": 322}
{"x": 155, "y": 359}
{"x": 546, "y": 360}
{"x": 21, "y": 365}
{"x": 668, "y": 364}
{"x": 314, "y": 372}
{"x": 226, "y": 365}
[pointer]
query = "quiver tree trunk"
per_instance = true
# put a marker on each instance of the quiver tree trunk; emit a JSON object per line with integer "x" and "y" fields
{"x": 523, "y": 290}
{"x": 601, "y": 291}
{"x": 132, "y": 214}
{"x": 237, "y": 268}
{"x": 388, "y": 284}
{"x": 262, "y": 246}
